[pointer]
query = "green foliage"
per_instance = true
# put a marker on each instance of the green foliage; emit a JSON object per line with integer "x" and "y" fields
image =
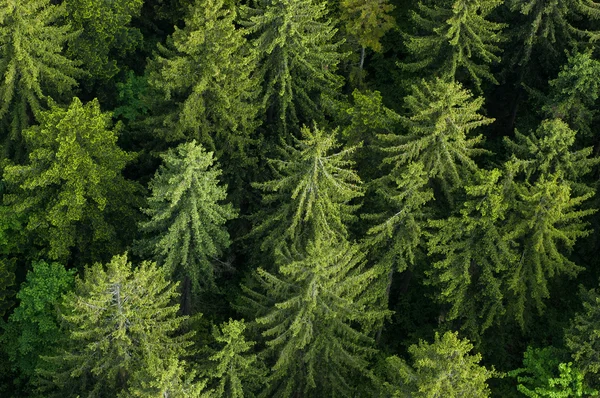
{"x": 186, "y": 232}
{"x": 544, "y": 376}
{"x": 574, "y": 92}
{"x": 583, "y": 336}
{"x": 548, "y": 27}
{"x": 72, "y": 183}
{"x": 546, "y": 223}
{"x": 310, "y": 193}
{"x": 33, "y": 329}
{"x": 443, "y": 369}
{"x": 473, "y": 255}
{"x": 32, "y": 66}
{"x": 206, "y": 69}
{"x": 440, "y": 117}
{"x": 368, "y": 21}
{"x": 297, "y": 61}
{"x": 550, "y": 150}
{"x": 104, "y": 34}
{"x": 455, "y": 41}
{"x": 311, "y": 331}
{"x": 121, "y": 327}
{"x": 234, "y": 370}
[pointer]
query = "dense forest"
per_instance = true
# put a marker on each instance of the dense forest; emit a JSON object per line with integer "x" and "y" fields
{"x": 299, "y": 198}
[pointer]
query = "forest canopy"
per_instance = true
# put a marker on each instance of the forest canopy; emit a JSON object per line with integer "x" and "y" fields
{"x": 299, "y": 198}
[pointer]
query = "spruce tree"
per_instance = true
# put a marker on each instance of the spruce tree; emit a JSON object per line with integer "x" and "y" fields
{"x": 71, "y": 190}
{"x": 310, "y": 194}
{"x": 121, "y": 327}
{"x": 186, "y": 233}
{"x": 297, "y": 61}
{"x": 207, "y": 71}
{"x": 314, "y": 340}
{"x": 233, "y": 371}
{"x": 472, "y": 255}
{"x": 455, "y": 41}
{"x": 582, "y": 337}
{"x": 546, "y": 222}
{"x": 32, "y": 66}
{"x": 33, "y": 329}
{"x": 444, "y": 368}
{"x": 550, "y": 27}
{"x": 439, "y": 121}
{"x": 104, "y": 34}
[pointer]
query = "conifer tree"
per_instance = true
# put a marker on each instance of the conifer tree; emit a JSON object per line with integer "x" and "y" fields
{"x": 367, "y": 21}
{"x": 72, "y": 185}
{"x": 234, "y": 371}
{"x": 444, "y": 368}
{"x": 206, "y": 70}
{"x": 455, "y": 40}
{"x": 573, "y": 93}
{"x": 546, "y": 222}
{"x": 312, "y": 335}
{"x": 33, "y": 329}
{"x": 550, "y": 150}
{"x": 550, "y": 28}
{"x": 297, "y": 61}
{"x": 104, "y": 33}
{"x": 473, "y": 254}
{"x": 121, "y": 327}
{"x": 583, "y": 336}
{"x": 399, "y": 231}
{"x": 186, "y": 232}
{"x": 310, "y": 193}
{"x": 441, "y": 116}
{"x": 32, "y": 66}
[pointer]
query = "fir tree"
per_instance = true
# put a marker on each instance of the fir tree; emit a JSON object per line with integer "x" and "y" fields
{"x": 104, "y": 34}
{"x": 473, "y": 255}
{"x": 311, "y": 332}
{"x": 186, "y": 232}
{"x": 206, "y": 70}
{"x": 444, "y": 368}
{"x": 297, "y": 61}
{"x": 455, "y": 41}
{"x": 32, "y": 66}
{"x": 441, "y": 116}
{"x": 121, "y": 326}
{"x": 313, "y": 186}
{"x": 583, "y": 336}
{"x": 234, "y": 370}
{"x": 72, "y": 185}
{"x": 33, "y": 329}
{"x": 546, "y": 222}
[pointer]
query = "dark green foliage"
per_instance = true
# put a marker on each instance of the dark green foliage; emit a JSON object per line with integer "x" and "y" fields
{"x": 310, "y": 194}
{"x": 473, "y": 255}
{"x": 72, "y": 184}
{"x": 583, "y": 336}
{"x": 455, "y": 40}
{"x": 297, "y": 61}
{"x": 33, "y": 329}
{"x": 312, "y": 339}
{"x": 234, "y": 369}
{"x": 544, "y": 375}
{"x": 121, "y": 326}
{"x": 32, "y": 66}
{"x": 105, "y": 34}
{"x": 444, "y": 368}
{"x": 441, "y": 116}
{"x": 549, "y": 27}
{"x": 186, "y": 233}
{"x": 205, "y": 70}
{"x": 574, "y": 92}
